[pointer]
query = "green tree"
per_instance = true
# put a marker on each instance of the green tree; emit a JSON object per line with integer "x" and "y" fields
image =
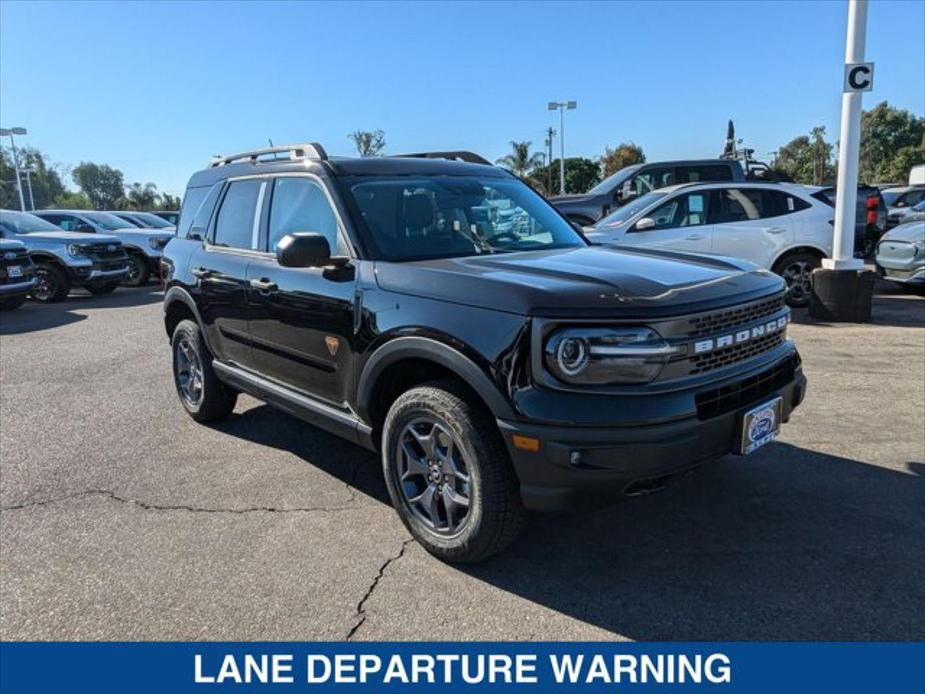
{"x": 142, "y": 197}
{"x": 519, "y": 161}
{"x": 807, "y": 158}
{"x": 169, "y": 202}
{"x": 892, "y": 142}
{"x": 581, "y": 174}
{"x": 46, "y": 181}
{"x": 102, "y": 184}
{"x": 625, "y": 154}
{"x": 369, "y": 143}
{"x": 69, "y": 200}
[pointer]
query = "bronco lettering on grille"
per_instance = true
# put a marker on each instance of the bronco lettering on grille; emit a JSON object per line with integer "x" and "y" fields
{"x": 740, "y": 336}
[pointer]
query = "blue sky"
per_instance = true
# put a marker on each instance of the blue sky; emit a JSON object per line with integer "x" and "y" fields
{"x": 156, "y": 88}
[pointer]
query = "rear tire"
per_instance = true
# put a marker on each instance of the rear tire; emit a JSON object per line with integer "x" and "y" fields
{"x": 52, "y": 284}
{"x": 138, "y": 272}
{"x": 99, "y": 289}
{"x": 202, "y": 395}
{"x": 797, "y": 271}
{"x": 12, "y": 303}
{"x": 440, "y": 448}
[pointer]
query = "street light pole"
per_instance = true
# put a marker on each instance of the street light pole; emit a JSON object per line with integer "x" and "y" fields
{"x": 29, "y": 170}
{"x": 11, "y": 132}
{"x": 561, "y": 106}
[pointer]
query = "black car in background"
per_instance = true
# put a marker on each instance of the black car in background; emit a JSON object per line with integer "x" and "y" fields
{"x": 444, "y": 314}
{"x": 17, "y": 274}
{"x": 870, "y": 221}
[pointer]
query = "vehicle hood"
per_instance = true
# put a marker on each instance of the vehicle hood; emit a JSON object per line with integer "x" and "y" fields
{"x": 559, "y": 199}
{"x": 910, "y": 233}
{"x": 68, "y": 237}
{"x": 586, "y": 281}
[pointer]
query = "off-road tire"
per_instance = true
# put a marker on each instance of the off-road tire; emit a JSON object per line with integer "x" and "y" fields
{"x": 57, "y": 278}
{"x": 217, "y": 400}
{"x": 139, "y": 271}
{"x": 496, "y": 514}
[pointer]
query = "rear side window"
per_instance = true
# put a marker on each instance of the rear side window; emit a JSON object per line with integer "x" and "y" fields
{"x": 695, "y": 174}
{"x": 737, "y": 205}
{"x": 237, "y": 219}
{"x": 299, "y": 204}
{"x": 777, "y": 203}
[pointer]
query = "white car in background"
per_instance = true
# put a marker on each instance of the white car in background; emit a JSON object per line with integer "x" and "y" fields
{"x": 779, "y": 226}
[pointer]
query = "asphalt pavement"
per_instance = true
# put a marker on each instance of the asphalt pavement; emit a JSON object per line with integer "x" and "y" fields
{"x": 122, "y": 519}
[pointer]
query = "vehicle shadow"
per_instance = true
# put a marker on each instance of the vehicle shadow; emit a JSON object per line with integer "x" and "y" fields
{"x": 893, "y": 306}
{"x": 33, "y": 316}
{"x": 787, "y": 544}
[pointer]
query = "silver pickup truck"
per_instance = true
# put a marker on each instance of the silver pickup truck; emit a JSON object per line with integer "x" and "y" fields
{"x": 64, "y": 259}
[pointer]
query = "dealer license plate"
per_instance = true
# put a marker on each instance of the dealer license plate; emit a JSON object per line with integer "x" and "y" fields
{"x": 760, "y": 425}
{"x": 14, "y": 271}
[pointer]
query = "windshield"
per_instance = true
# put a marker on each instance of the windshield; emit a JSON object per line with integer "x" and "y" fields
{"x": 412, "y": 218}
{"x": 628, "y": 211}
{"x": 613, "y": 180}
{"x": 108, "y": 221}
{"x": 889, "y": 197}
{"x": 151, "y": 221}
{"x": 920, "y": 207}
{"x": 23, "y": 223}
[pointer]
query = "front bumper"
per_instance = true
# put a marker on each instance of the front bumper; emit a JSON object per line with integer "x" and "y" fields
{"x": 97, "y": 275}
{"x": 17, "y": 288}
{"x": 580, "y": 467}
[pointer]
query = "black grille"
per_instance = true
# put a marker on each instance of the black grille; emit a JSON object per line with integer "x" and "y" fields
{"x": 727, "y": 356}
{"x": 713, "y": 403}
{"x": 722, "y": 321}
{"x": 102, "y": 253}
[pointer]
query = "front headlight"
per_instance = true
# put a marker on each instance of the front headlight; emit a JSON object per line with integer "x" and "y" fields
{"x": 598, "y": 356}
{"x": 74, "y": 250}
{"x": 154, "y": 243}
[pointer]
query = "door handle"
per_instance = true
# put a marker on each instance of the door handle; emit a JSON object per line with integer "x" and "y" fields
{"x": 695, "y": 237}
{"x": 776, "y": 230}
{"x": 201, "y": 272}
{"x": 264, "y": 285}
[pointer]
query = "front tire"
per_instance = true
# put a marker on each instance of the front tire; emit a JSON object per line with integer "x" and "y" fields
{"x": 138, "y": 272}
{"x": 449, "y": 474}
{"x": 797, "y": 271}
{"x": 12, "y": 303}
{"x": 202, "y": 395}
{"x": 52, "y": 284}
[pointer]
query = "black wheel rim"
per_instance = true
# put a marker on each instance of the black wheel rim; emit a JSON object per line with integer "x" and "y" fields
{"x": 433, "y": 476}
{"x": 188, "y": 372}
{"x": 46, "y": 286}
{"x": 799, "y": 278}
{"x": 134, "y": 270}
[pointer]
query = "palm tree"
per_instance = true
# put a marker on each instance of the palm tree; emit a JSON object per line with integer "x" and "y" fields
{"x": 520, "y": 160}
{"x": 142, "y": 197}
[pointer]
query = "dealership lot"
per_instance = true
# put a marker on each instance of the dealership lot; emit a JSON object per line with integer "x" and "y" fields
{"x": 123, "y": 519}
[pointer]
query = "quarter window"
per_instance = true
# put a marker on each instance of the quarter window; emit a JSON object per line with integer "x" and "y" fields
{"x": 234, "y": 227}
{"x": 300, "y": 204}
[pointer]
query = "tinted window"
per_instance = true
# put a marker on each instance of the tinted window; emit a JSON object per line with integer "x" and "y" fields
{"x": 776, "y": 203}
{"x": 200, "y": 210}
{"x": 681, "y": 211}
{"x": 650, "y": 180}
{"x": 711, "y": 172}
{"x": 738, "y": 205}
{"x": 65, "y": 221}
{"x": 236, "y": 222}
{"x": 299, "y": 204}
{"x": 913, "y": 197}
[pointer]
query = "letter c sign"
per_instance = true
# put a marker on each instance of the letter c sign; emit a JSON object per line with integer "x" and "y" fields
{"x": 859, "y": 77}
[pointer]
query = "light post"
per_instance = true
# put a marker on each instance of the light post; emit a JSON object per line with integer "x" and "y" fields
{"x": 29, "y": 170}
{"x": 11, "y": 132}
{"x": 562, "y": 106}
{"x": 550, "y": 133}
{"x": 842, "y": 288}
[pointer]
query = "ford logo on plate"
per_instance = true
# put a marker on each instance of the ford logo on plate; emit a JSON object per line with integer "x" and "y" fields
{"x": 761, "y": 425}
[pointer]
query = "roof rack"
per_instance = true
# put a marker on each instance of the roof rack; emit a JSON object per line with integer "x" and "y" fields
{"x": 310, "y": 150}
{"x": 459, "y": 155}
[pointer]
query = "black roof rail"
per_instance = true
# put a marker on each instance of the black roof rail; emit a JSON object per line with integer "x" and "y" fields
{"x": 456, "y": 155}
{"x": 310, "y": 150}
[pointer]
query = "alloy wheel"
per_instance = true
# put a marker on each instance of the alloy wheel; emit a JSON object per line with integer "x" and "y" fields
{"x": 799, "y": 278}
{"x": 46, "y": 287}
{"x": 189, "y": 375}
{"x": 433, "y": 475}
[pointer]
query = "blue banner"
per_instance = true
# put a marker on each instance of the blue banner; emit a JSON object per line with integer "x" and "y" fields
{"x": 386, "y": 668}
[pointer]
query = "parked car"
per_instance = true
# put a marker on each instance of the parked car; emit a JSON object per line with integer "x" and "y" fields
{"x": 899, "y": 200}
{"x": 777, "y": 226}
{"x": 17, "y": 274}
{"x": 143, "y": 220}
{"x": 66, "y": 259}
{"x": 916, "y": 213}
{"x": 901, "y": 254}
{"x": 633, "y": 181}
{"x": 870, "y": 215}
{"x": 144, "y": 246}
{"x": 494, "y": 370}
{"x": 171, "y": 216}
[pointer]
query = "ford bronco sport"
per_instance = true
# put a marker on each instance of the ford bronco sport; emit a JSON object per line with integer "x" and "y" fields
{"x": 444, "y": 314}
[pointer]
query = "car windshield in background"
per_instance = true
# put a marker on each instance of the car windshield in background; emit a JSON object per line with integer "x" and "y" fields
{"x": 108, "y": 221}
{"x": 613, "y": 180}
{"x": 412, "y": 218}
{"x": 151, "y": 221}
{"x": 890, "y": 197}
{"x": 628, "y": 211}
{"x": 23, "y": 223}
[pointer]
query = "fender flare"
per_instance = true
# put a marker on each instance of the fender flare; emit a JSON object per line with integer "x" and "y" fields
{"x": 178, "y": 294}
{"x": 46, "y": 256}
{"x": 416, "y": 347}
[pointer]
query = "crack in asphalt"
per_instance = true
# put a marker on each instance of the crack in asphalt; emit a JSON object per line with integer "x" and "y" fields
{"x": 360, "y": 615}
{"x": 177, "y": 507}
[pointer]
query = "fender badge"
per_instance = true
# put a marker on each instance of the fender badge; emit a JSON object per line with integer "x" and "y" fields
{"x": 333, "y": 343}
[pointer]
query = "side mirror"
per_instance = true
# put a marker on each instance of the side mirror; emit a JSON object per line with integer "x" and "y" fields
{"x": 303, "y": 249}
{"x": 644, "y": 224}
{"x": 85, "y": 229}
{"x": 195, "y": 233}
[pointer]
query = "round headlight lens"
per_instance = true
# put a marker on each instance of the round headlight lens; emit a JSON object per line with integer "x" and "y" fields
{"x": 74, "y": 250}
{"x": 572, "y": 355}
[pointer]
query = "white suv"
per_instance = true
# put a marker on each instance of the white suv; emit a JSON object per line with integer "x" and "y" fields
{"x": 778, "y": 226}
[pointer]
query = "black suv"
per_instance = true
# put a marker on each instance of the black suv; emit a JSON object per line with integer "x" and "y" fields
{"x": 445, "y": 314}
